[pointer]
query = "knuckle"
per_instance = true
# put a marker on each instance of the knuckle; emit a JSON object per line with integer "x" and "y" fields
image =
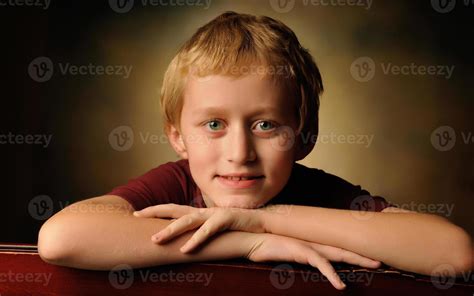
{"x": 188, "y": 220}
{"x": 196, "y": 216}
{"x": 202, "y": 210}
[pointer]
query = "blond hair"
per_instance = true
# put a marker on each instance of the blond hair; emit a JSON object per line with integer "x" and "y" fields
{"x": 233, "y": 40}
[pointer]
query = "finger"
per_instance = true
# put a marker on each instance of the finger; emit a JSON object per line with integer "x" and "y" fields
{"x": 357, "y": 259}
{"x": 326, "y": 269}
{"x": 164, "y": 211}
{"x": 212, "y": 225}
{"x": 342, "y": 255}
{"x": 179, "y": 226}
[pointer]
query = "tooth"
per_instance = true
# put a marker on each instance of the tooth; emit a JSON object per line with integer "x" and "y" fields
{"x": 239, "y": 178}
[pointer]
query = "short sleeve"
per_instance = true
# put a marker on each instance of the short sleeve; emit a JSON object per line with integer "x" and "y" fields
{"x": 166, "y": 183}
{"x": 345, "y": 195}
{"x": 314, "y": 187}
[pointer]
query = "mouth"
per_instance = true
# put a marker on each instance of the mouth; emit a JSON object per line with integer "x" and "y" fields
{"x": 234, "y": 182}
{"x": 239, "y": 178}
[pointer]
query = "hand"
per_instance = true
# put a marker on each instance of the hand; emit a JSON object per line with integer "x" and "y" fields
{"x": 271, "y": 247}
{"x": 209, "y": 220}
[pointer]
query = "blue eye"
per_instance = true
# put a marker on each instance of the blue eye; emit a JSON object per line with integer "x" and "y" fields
{"x": 212, "y": 124}
{"x": 266, "y": 125}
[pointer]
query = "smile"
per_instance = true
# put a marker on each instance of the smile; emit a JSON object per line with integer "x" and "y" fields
{"x": 239, "y": 182}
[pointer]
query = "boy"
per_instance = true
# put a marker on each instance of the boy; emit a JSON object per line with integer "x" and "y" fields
{"x": 238, "y": 100}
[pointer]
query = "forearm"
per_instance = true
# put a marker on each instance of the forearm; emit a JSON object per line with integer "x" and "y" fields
{"x": 409, "y": 241}
{"x": 102, "y": 241}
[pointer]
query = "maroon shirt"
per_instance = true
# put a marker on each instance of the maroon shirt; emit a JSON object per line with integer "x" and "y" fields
{"x": 172, "y": 182}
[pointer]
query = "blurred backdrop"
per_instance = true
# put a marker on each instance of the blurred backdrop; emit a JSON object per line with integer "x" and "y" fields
{"x": 395, "y": 115}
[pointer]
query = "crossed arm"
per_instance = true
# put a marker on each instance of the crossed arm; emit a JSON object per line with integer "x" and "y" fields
{"x": 100, "y": 233}
{"x": 403, "y": 239}
{"x": 87, "y": 235}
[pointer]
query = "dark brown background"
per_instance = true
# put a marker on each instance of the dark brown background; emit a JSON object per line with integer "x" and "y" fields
{"x": 400, "y": 112}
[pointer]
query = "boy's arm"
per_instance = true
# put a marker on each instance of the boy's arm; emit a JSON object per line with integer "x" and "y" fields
{"x": 410, "y": 241}
{"x": 100, "y": 233}
{"x": 413, "y": 241}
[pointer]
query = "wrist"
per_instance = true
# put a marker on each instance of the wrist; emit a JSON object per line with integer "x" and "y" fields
{"x": 246, "y": 242}
{"x": 262, "y": 216}
{"x": 253, "y": 243}
{"x": 272, "y": 214}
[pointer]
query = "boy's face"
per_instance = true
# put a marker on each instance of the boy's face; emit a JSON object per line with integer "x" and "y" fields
{"x": 249, "y": 133}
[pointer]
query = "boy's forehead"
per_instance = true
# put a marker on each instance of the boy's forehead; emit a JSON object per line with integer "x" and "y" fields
{"x": 255, "y": 110}
{"x": 217, "y": 93}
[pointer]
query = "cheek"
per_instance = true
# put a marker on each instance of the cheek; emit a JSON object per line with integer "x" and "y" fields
{"x": 202, "y": 156}
{"x": 276, "y": 151}
{"x": 198, "y": 145}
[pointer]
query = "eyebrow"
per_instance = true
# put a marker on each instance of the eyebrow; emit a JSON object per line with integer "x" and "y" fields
{"x": 222, "y": 111}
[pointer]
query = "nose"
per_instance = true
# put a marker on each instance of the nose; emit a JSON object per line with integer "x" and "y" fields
{"x": 240, "y": 147}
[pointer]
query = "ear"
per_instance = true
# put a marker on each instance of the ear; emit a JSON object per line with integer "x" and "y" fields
{"x": 176, "y": 141}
